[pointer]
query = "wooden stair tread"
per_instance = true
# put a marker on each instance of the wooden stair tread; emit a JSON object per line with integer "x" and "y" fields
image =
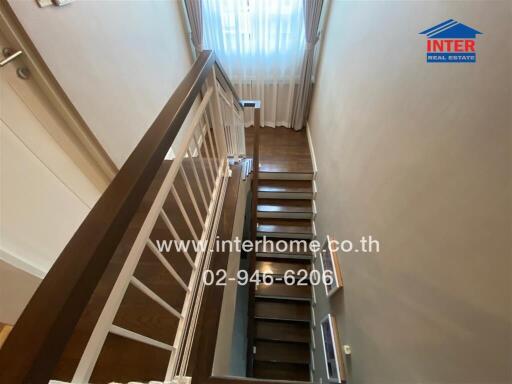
{"x": 283, "y": 168}
{"x": 305, "y": 223}
{"x": 282, "y": 352}
{"x": 289, "y": 226}
{"x": 280, "y": 266}
{"x": 282, "y": 310}
{"x": 281, "y": 371}
{"x": 290, "y": 186}
{"x": 284, "y": 229}
{"x": 285, "y": 205}
{"x": 283, "y": 291}
{"x": 293, "y": 332}
{"x": 276, "y": 256}
{"x": 286, "y": 246}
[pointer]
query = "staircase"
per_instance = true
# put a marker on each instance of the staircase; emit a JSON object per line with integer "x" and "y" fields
{"x": 282, "y": 312}
{"x": 115, "y": 307}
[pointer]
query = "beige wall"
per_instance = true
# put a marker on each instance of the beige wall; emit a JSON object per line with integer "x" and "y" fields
{"x": 419, "y": 156}
{"x": 118, "y": 61}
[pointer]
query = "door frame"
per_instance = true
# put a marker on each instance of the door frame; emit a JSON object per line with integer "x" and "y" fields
{"x": 89, "y": 145}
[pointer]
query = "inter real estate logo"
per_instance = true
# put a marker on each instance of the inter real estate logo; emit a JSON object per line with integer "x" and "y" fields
{"x": 451, "y": 42}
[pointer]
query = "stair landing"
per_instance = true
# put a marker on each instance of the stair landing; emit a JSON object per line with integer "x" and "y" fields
{"x": 282, "y": 150}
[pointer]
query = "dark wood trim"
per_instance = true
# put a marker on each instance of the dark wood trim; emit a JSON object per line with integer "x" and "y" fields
{"x": 40, "y": 335}
{"x": 203, "y": 349}
{"x": 254, "y": 232}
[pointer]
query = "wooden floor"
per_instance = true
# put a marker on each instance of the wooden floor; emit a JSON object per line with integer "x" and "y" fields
{"x": 281, "y": 150}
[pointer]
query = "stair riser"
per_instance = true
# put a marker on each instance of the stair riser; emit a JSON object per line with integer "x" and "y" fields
{"x": 285, "y": 176}
{"x": 304, "y": 299}
{"x": 295, "y": 280}
{"x": 285, "y": 195}
{"x": 283, "y": 256}
{"x": 280, "y": 331}
{"x": 276, "y": 371}
{"x": 283, "y": 311}
{"x": 284, "y": 235}
{"x": 281, "y": 319}
{"x": 286, "y": 215}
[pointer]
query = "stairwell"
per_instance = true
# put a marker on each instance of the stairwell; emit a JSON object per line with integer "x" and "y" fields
{"x": 285, "y": 210}
{"x": 116, "y": 308}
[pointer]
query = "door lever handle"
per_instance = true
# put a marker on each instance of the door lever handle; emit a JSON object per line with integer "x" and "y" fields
{"x": 10, "y": 57}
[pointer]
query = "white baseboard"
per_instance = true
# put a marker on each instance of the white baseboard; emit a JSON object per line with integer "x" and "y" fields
{"x": 313, "y": 158}
{"x": 311, "y": 149}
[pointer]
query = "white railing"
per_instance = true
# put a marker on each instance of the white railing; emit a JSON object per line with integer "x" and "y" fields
{"x": 202, "y": 163}
{"x": 233, "y": 118}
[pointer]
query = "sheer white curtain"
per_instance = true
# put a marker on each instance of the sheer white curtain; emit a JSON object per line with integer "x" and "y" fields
{"x": 260, "y": 43}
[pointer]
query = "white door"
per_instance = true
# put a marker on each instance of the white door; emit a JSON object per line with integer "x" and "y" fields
{"x": 44, "y": 193}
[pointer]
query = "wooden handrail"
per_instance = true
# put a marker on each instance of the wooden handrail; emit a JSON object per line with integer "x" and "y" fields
{"x": 254, "y": 229}
{"x": 225, "y": 82}
{"x": 40, "y": 335}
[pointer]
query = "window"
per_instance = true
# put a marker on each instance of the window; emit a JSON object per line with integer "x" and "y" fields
{"x": 256, "y": 37}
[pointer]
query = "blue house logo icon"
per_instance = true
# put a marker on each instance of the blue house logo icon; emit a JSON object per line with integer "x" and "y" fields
{"x": 451, "y": 42}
